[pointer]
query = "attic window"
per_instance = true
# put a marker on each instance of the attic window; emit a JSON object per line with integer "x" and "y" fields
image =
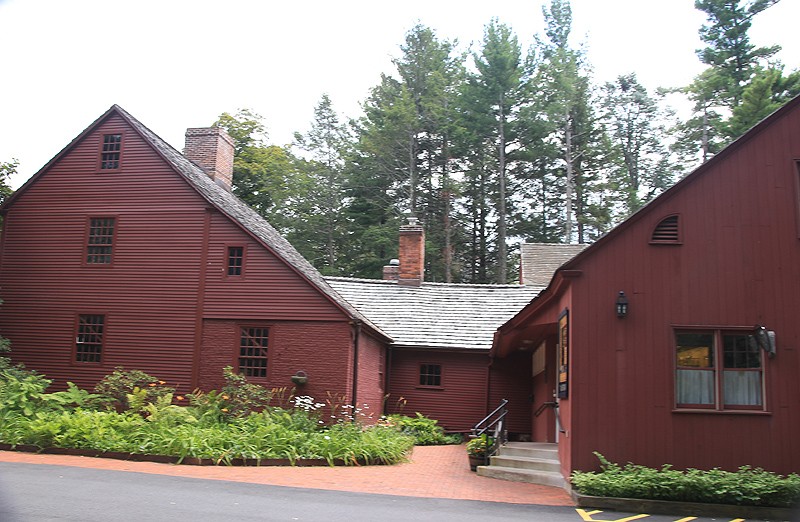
{"x": 667, "y": 231}
{"x": 109, "y": 155}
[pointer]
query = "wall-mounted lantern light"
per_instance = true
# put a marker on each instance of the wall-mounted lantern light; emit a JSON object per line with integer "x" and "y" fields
{"x": 300, "y": 377}
{"x": 622, "y": 304}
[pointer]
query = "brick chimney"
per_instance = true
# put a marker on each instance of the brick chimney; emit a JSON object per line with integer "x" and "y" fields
{"x": 391, "y": 272}
{"x": 412, "y": 253}
{"x": 211, "y": 148}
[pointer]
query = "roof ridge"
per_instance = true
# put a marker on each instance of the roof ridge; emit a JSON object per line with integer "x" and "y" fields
{"x": 424, "y": 283}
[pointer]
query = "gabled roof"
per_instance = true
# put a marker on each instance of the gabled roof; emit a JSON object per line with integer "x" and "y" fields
{"x": 223, "y": 201}
{"x": 539, "y": 261}
{"x": 436, "y": 315}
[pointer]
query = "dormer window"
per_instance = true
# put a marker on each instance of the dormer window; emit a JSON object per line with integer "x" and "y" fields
{"x": 110, "y": 153}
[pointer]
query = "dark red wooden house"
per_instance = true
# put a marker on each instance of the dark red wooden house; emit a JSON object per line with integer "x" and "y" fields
{"x": 674, "y": 338}
{"x": 438, "y": 362}
{"x": 123, "y": 252}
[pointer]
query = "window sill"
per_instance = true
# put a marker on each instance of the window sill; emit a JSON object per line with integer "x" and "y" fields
{"x": 429, "y": 387}
{"x": 722, "y": 412}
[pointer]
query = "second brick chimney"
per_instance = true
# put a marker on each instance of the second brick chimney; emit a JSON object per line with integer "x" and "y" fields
{"x": 211, "y": 148}
{"x": 412, "y": 253}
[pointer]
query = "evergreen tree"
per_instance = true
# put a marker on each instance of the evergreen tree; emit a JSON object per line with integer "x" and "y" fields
{"x": 641, "y": 165}
{"x": 566, "y": 99}
{"x": 319, "y": 207}
{"x": 733, "y": 64}
{"x": 496, "y": 89}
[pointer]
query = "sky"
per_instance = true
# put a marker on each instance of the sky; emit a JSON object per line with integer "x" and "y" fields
{"x": 175, "y": 64}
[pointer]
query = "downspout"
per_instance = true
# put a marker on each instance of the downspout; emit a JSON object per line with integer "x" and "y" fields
{"x": 200, "y": 302}
{"x": 356, "y": 340}
{"x": 387, "y": 381}
{"x": 489, "y": 382}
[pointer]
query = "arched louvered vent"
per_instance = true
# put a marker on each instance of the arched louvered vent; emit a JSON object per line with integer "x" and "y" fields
{"x": 667, "y": 231}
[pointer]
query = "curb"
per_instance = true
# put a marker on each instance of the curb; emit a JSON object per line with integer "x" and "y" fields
{"x": 697, "y": 509}
{"x": 190, "y": 461}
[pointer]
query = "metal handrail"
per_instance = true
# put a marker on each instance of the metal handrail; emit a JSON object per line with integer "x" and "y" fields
{"x": 544, "y": 405}
{"x": 554, "y": 405}
{"x": 495, "y": 421}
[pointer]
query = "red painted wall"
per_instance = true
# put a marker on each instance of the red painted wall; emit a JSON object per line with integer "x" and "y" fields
{"x": 510, "y": 378}
{"x": 738, "y": 265}
{"x": 322, "y": 350}
{"x": 170, "y": 310}
{"x": 461, "y": 400}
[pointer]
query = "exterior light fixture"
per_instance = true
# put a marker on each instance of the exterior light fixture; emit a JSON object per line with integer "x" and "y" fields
{"x": 622, "y": 304}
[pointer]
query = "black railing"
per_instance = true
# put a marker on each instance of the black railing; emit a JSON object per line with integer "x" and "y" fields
{"x": 493, "y": 427}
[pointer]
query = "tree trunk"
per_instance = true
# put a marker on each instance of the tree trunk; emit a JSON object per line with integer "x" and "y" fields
{"x": 502, "y": 251}
{"x": 570, "y": 174}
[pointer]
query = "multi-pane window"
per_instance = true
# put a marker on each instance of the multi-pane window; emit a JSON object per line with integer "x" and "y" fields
{"x": 89, "y": 338}
{"x": 718, "y": 370}
{"x": 430, "y": 374}
{"x": 101, "y": 240}
{"x": 109, "y": 155}
{"x": 253, "y": 352}
{"x": 235, "y": 260}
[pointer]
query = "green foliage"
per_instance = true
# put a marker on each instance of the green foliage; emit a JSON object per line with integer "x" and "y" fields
{"x": 243, "y": 397}
{"x": 425, "y": 431}
{"x": 7, "y": 169}
{"x": 21, "y": 391}
{"x": 479, "y": 446}
{"x": 745, "y": 487}
{"x": 220, "y": 425}
{"x": 122, "y": 385}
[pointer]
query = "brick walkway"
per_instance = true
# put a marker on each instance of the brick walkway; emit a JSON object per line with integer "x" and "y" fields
{"x": 433, "y": 472}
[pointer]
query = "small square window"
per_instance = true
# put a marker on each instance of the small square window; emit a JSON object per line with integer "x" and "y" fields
{"x": 253, "y": 352}
{"x": 101, "y": 241}
{"x": 110, "y": 153}
{"x": 430, "y": 374}
{"x": 235, "y": 260}
{"x": 89, "y": 338}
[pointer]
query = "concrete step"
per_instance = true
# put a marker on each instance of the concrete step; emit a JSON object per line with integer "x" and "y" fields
{"x": 532, "y": 463}
{"x": 538, "y": 450}
{"x": 545, "y": 478}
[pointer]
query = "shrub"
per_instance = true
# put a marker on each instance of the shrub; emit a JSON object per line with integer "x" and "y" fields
{"x": 425, "y": 431}
{"x": 479, "y": 446}
{"x": 154, "y": 425}
{"x": 747, "y": 486}
{"x": 120, "y": 384}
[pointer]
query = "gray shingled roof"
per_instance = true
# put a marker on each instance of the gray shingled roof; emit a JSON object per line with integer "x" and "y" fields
{"x": 241, "y": 213}
{"x": 436, "y": 315}
{"x": 539, "y": 261}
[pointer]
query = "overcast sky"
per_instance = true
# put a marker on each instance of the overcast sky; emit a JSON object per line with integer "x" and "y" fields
{"x": 175, "y": 64}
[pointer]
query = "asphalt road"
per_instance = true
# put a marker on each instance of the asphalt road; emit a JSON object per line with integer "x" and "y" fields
{"x": 33, "y": 492}
{"x": 36, "y": 493}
